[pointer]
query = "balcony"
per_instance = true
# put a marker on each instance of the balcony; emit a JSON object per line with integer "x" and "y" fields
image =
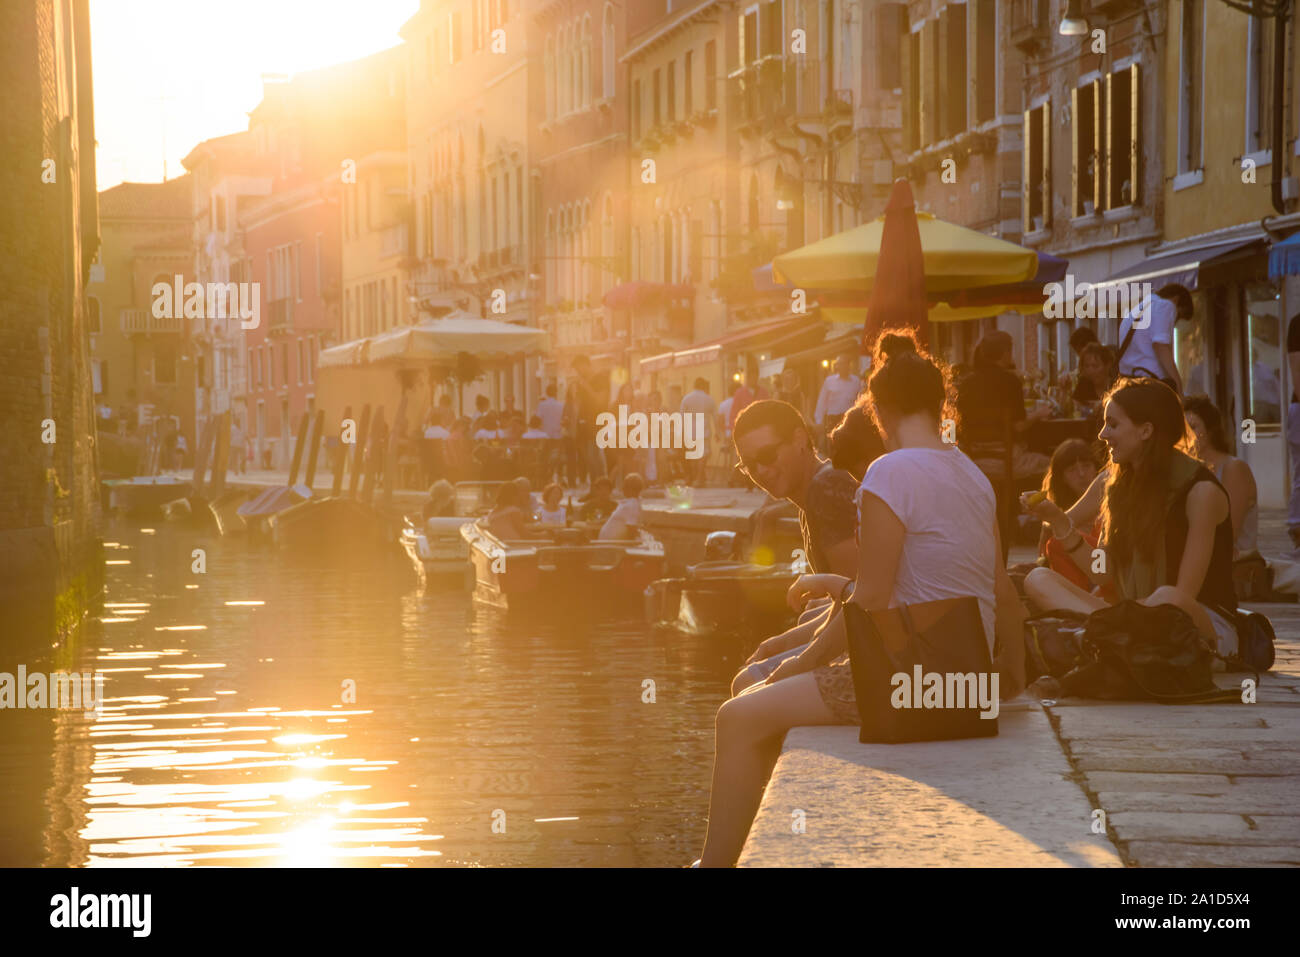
{"x": 764, "y": 92}
{"x": 138, "y": 321}
{"x": 1031, "y": 25}
{"x": 280, "y": 318}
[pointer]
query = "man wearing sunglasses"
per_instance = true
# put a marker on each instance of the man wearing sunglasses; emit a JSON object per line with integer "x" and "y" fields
{"x": 776, "y": 451}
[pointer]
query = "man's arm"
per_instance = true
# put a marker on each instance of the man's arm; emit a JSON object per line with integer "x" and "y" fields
{"x": 1165, "y": 356}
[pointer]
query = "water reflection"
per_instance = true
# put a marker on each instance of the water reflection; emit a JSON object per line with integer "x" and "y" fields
{"x": 271, "y": 713}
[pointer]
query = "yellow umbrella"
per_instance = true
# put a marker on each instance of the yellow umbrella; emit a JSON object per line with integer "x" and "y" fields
{"x": 939, "y": 312}
{"x": 955, "y": 258}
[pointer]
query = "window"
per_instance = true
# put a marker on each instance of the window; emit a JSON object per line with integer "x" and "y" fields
{"x": 1122, "y": 138}
{"x": 931, "y": 122}
{"x": 711, "y": 75}
{"x": 952, "y": 70}
{"x": 672, "y": 91}
{"x": 607, "y": 53}
{"x": 891, "y": 30}
{"x": 1086, "y": 150}
{"x": 455, "y": 43}
{"x": 92, "y": 314}
{"x": 1265, "y": 355}
{"x": 986, "y": 59}
{"x": 655, "y": 89}
{"x": 748, "y": 47}
{"x": 284, "y": 363}
{"x": 586, "y": 63}
{"x": 770, "y": 31}
{"x": 301, "y": 363}
{"x": 1037, "y": 182}
{"x": 319, "y": 281}
{"x": 1190, "y": 99}
{"x": 912, "y": 95}
{"x": 297, "y": 270}
{"x": 475, "y": 36}
{"x": 1259, "y": 84}
{"x": 688, "y": 84}
{"x": 636, "y": 109}
{"x": 550, "y": 78}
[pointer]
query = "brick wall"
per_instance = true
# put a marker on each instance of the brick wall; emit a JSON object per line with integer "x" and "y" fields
{"x": 49, "y": 513}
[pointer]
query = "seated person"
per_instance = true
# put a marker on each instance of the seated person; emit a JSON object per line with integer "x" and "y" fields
{"x": 626, "y": 518}
{"x": 527, "y": 500}
{"x": 599, "y": 503}
{"x": 441, "y": 502}
{"x": 1069, "y": 476}
{"x": 535, "y": 430}
{"x": 552, "y": 513}
{"x": 508, "y": 521}
{"x": 487, "y": 430}
{"x": 1211, "y": 447}
{"x": 990, "y": 398}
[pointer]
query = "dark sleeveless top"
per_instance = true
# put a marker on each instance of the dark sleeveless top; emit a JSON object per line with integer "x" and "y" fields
{"x": 1217, "y": 589}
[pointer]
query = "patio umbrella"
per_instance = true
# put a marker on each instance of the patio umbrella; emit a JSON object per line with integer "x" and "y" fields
{"x": 440, "y": 340}
{"x": 900, "y": 301}
{"x": 954, "y": 258}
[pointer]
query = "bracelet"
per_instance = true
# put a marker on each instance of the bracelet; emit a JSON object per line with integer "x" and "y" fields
{"x": 848, "y": 586}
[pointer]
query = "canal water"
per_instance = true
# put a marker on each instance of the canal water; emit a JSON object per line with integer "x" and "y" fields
{"x": 277, "y": 712}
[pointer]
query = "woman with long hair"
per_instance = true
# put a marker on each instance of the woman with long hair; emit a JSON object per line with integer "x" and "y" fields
{"x": 1211, "y": 446}
{"x": 1071, "y": 472}
{"x": 1166, "y": 527}
{"x": 933, "y": 535}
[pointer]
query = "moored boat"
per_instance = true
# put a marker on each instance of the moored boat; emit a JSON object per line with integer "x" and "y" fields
{"x": 435, "y": 545}
{"x": 562, "y": 568}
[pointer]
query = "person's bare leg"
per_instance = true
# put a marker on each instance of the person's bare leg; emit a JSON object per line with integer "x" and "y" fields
{"x": 1052, "y": 591}
{"x": 748, "y": 739}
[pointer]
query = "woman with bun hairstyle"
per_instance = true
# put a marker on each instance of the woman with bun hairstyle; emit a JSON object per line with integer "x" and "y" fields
{"x": 933, "y": 535}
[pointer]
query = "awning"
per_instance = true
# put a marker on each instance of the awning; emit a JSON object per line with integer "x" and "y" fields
{"x": 1284, "y": 258}
{"x": 655, "y": 363}
{"x": 829, "y": 349}
{"x": 1182, "y": 267}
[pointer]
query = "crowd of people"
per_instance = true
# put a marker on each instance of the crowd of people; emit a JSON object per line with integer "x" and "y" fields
{"x": 1157, "y": 488}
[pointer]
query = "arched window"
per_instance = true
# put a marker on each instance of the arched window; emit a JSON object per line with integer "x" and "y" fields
{"x": 607, "y": 54}
{"x": 606, "y": 243}
{"x": 586, "y": 62}
{"x": 562, "y": 78}
{"x": 550, "y": 77}
{"x": 550, "y": 257}
{"x": 586, "y": 250}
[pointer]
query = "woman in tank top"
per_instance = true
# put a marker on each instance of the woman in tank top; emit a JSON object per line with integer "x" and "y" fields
{"x": 1234, "y": 475}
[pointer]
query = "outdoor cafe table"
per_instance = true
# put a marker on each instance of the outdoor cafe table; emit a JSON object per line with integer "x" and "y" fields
{"x": 1046, "y": 434}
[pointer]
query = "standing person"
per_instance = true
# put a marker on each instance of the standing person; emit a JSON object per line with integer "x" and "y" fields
{"x": 589, "y": 406}
{"x": 575, "y": 469}
{"x": 791, "y": 391}
{"x": 1146, "y": 336}
{"x": 724, "y": 426}
{"x": 838, "y": 393}
{"x": 483, "y": 409}
{"x": 1167, "y": 524}
{"x": 698, "y": 402}
{"x": 776, "y": 446}
{"x": 238, "y": 447}
{"x": 750, "y": 390}
{"x": 933, "y": 535}
{"x": 551, "y": 411}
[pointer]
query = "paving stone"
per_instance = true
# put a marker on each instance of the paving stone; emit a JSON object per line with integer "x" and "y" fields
{"x": 1205, "y": 828}
{"x": 1090, "y": 757}
{"x": 1169, "y": 854}
{"x": 1246, "y": 799}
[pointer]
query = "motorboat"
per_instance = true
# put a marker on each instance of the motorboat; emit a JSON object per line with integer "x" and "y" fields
{"x": 563, "y": 569}
{"x": 330, "y": 524}
{"x": 435, "y": 545}
{"x": 145, "y": 494}
{"x": 724, "y": 596}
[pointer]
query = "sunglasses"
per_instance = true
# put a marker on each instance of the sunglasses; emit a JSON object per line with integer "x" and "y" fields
{"x": 762, "y": 458}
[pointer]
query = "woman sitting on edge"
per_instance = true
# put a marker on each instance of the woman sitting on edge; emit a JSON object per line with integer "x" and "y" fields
{"x": 933, "y": 535}
{"x": 1167, "y": 532}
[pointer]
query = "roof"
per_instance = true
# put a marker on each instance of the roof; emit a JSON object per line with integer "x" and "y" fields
{"x": 169, "y": 200}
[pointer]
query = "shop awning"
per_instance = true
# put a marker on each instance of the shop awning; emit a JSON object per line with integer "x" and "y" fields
{"x": 1184, "y": 266}
{"x": 655, "y": 363}
{"x": 1284, "y": 258}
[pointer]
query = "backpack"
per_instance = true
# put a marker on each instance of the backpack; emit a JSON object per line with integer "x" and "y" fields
{"x": 1053, "y": 644}
{"x": 1130, "y": 651}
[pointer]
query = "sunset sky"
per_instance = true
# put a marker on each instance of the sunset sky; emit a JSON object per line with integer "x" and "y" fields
{"x": 181, "y": 71}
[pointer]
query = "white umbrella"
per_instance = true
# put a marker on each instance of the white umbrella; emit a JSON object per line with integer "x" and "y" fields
{"x": 440, "y": 340}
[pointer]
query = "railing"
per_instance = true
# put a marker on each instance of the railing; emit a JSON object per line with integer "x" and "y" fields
{"x": 143, "y": 320}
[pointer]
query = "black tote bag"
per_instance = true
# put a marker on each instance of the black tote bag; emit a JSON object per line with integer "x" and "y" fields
{"x": 944, "y": 637}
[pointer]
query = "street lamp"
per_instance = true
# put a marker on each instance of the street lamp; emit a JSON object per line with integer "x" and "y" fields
{"x": 1073, "y": 25}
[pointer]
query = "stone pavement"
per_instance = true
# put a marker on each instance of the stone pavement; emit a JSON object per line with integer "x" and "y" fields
{"x": 1194, "y": 785}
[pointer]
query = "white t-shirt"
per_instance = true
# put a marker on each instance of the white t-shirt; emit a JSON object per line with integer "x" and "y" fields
{"x": 626, "y": 514}
{"x": 534, "y": 434}
{"x": 436, "y": 432}
{"x": 837, "y": 396}
{"x": 551, "y": 412}
{"x": 487, "y": 435}
{"x": 724, "y": 410}
{"x": 1141, "y": 353}
{"x": 697, "y": 400}
{"x": 547, "y": 517}
{"x": 948, "y": 511}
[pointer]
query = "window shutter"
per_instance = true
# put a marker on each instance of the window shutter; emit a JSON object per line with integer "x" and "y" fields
{"x": 1134, "y": 150}
{"x": 1047, "y": 164}
{"x": 1025, "y": 183}
{"x": 1075, "y": 209}
{"x": 1098, "y": 144}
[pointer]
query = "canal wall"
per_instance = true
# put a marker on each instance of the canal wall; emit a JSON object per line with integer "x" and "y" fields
{"x": 49, "y": 497}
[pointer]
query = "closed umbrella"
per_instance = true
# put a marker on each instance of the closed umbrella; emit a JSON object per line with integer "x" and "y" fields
{"x": 898, "y": 301}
